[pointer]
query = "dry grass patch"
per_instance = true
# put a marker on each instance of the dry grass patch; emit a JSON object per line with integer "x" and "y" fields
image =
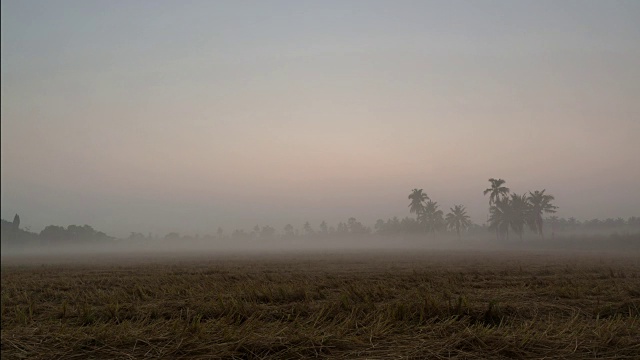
{"x": 438, "y": 305}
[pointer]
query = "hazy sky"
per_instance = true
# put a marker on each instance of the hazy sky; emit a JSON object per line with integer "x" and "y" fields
{"x": 188, "y": 115}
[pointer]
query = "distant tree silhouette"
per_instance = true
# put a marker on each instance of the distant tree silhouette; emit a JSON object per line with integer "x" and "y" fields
{"x": 239, "y": 235}
{"x": 496, "y": 191}
{"x": 411, "y": 225}
{"x": 432, "y": 217}
{"x": 16, "y": 222}
{"x": 307, "y": 229}
{"x": 12, "y": 235}
{"x": 136, "y": 236}
{"x": 288, "y": 230}
{"x": 356, "y": 227}
{"x": 540, "y": 203}
{"x": 417, "y": 197}
{"x": 324, "y": 228}
{"x": 510, "y": 213}
{"x": 172, "y": 236}
{"x": 73, "y": 233}
{"x": 54, "y": 233}
{"x": 395, "y": 225}
{"x": 342, "y": 228}
{"x": 554, "y": 221}
{"x": 267, "y": 232}
{"x": 500, "y": 217}
{"x": 573, "y": 223}
{"x": 458, "y": 219}
{"x": 520, "y": 213}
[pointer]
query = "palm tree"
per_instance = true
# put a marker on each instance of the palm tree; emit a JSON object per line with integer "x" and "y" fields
{"x": 520, "y": 213}
{"x": 497, "y": 191}
{"x": 417, "y": 197}
{"x": 540, "y": 203}
{"x": 431, "y": 217}
{"x": 458, "y": 219}
{"x": 510, "y": 213}
{"x": 500, "y": 217}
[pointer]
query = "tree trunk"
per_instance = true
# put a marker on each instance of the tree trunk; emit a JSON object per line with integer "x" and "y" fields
{"x": 540, "y": 228}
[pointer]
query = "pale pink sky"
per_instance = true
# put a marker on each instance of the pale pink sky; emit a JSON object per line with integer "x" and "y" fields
{"x": 185, "y": 116}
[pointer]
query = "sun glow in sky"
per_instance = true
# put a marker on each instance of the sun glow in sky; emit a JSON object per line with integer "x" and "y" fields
{"x": 158, "y": 116}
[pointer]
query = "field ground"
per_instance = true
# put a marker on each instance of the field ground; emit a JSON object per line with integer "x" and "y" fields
{"x": 438, "y": 304}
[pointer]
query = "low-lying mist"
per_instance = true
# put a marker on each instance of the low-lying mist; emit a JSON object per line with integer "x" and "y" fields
{"x": 156, "y": 249}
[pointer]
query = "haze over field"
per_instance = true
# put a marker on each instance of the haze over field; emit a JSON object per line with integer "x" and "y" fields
{"x": 185, "y": 116}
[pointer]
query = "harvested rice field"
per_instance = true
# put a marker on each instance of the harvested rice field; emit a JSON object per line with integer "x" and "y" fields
{"x": 339, "y": 305}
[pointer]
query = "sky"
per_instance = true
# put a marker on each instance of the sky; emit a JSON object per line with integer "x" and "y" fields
{"x": 159, "y": 116}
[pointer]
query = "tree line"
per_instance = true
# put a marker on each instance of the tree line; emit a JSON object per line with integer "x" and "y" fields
{"x": 12, "y": 234}
{"x": 515, "y": 211}
{"x": 508, "y": 213}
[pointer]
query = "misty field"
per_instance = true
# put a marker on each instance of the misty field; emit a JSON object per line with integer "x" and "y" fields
{"x": 438, "y": 304}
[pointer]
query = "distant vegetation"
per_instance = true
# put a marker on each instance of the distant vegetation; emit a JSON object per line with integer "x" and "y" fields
{"x": 516, "y": 211}
{"x": 52, "y": 234}
{"x": 509, "y": 214}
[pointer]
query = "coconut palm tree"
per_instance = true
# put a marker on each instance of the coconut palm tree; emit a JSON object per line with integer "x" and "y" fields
{"x": 417, "y": 197}
{"x": 496, "y": 191}
{"x": 509, "y": 213}
{"x": 540, "y": 203}
{"x": 431, "y": 217}
{"x": 458, "y": 219}
{"x": 520, "y": 213}
{"x": 500, "y": 217}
